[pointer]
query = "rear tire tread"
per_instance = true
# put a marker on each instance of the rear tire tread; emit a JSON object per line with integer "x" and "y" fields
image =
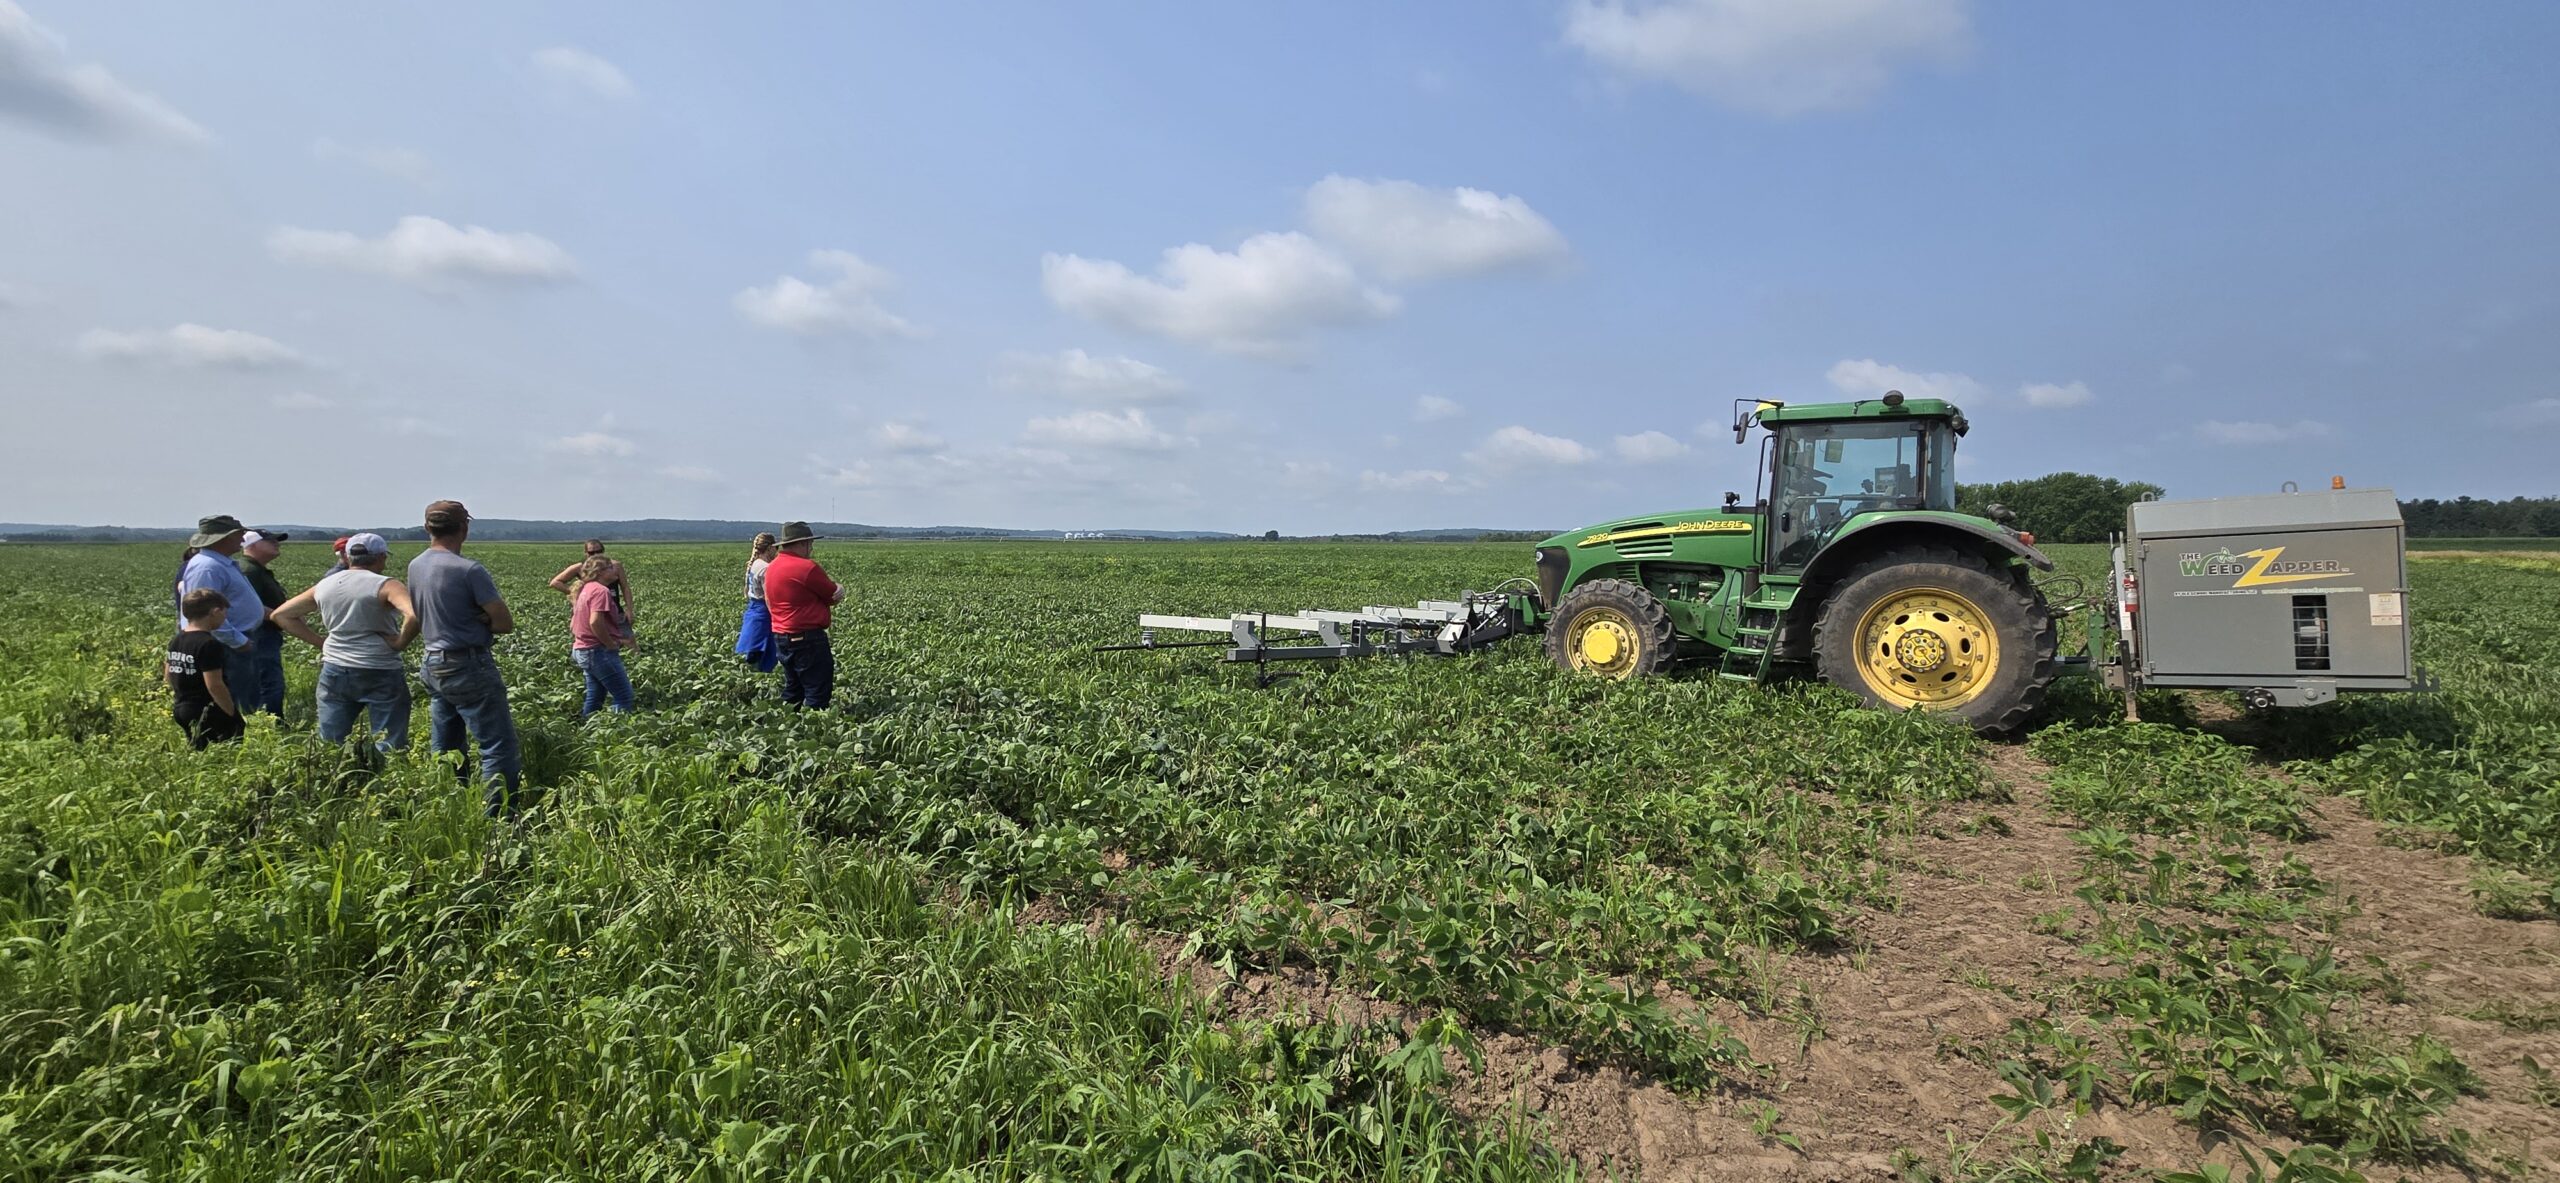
{"x": 2004, "y": 598}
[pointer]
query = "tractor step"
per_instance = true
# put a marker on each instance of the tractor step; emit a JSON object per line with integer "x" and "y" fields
{"x": 1746, "y": 661}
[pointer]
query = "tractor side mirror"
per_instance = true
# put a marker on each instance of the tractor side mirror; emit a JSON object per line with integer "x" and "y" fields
{"x": 1731, "y": 499}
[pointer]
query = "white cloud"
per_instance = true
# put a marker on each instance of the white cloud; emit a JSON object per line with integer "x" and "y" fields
{"x": 1127, "y": 431}
{"x": 2047, "y": 396}
{"x": 905, "y": 437}
{"x": 1776, "y": 57}
{"x": 592, "y": 443}
{"x": 1518, "y": 447}
{"x": 40, "y": 84}
{"x": 2541, "y": 412}
{"x": 193, "y": 346}
{"x": 2222, "y": 431}
{"x": 691, "y": 474}
{"x": 412, "y": 426}
{"x": 1432, "y": 408}
{"x": 848, "y": 303}
{"x": 1262, "y": 298}
{"x": 1308, "y": 475}
{"x": 1650, "y": 447}
{"x": 301, "y": 400}
{"x": 1404, "y": 231}
{"x": 14, "y": 297}
{"x": 406, "y": 164}
{"x": 1411, "y": 480}
{"x": 1083, "y": 377}
{"x": 430, "y": 252}
{"x": 577, "y": 67}
{"x": 1867, "y": 378}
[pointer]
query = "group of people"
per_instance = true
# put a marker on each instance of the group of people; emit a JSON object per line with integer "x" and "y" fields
{"x": 226, "y": 659}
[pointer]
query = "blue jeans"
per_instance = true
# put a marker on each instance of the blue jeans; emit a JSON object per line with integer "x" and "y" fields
{"x": 466, "y": 692}
{"x": 383, "y": 695}
{"x": 808, "y": 669}
{"x": 605, "y": 676}
{"x": 260, "y": 685}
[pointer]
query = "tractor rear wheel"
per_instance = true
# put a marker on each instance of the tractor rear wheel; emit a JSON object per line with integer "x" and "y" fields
{"x": 1936, "y": 629}
{"x": 1612, "y": 628}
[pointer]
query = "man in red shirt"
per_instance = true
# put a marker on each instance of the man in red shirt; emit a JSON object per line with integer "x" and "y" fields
{"x": 802, "y": 600}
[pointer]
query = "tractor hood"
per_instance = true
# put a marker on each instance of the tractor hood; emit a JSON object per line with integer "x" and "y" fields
{"x": 1659, "y": 527}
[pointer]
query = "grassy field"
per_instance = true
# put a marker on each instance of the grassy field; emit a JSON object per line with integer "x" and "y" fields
{"x": 2537, "y": 545}
{"x": 1021, "y": 910}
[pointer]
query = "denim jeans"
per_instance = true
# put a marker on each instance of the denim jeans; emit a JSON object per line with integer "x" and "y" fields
{"x": 808, "y": 669}
{"x": 382, "y": 694}
{"x": 605, "y": 677}
{"x": 466, "y": 692}
{"x": 260, "y": 687}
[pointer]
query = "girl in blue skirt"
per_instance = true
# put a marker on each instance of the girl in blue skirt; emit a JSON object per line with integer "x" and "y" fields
{"x": 755, "y": 634}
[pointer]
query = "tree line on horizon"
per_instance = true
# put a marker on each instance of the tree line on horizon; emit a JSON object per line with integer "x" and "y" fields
{"x": 2058, "y": 507}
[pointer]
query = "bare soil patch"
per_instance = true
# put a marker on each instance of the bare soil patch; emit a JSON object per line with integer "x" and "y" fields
{"x": 1874, "y": 1056}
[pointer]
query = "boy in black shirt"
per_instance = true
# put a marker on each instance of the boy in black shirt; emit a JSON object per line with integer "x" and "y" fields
{"x": 205, "y": 709}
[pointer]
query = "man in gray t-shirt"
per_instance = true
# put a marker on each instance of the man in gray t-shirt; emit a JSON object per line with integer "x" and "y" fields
{"x": 370, "y": 620}
{"x": 453, "y": 594}
{"x": 459, "y": 613}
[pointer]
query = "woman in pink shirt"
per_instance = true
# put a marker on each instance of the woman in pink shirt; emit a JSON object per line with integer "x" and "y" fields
{"x": 599, "y": 632}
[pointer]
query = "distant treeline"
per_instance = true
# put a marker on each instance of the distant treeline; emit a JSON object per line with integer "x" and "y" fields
{"x": 2057, "y": 507}
{"x": 2075, "y": 507}
{"x": 2465, "y": 517}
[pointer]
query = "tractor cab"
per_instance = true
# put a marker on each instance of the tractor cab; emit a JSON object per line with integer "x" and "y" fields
{"x": 1827, "y": 464}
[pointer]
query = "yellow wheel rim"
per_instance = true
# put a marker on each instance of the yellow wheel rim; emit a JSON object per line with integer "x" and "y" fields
{"x": 1927, "y": 647}
{"x": 1603, "y": 641}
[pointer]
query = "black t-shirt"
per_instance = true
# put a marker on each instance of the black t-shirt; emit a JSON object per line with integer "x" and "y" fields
{"x": 192, "y": 655}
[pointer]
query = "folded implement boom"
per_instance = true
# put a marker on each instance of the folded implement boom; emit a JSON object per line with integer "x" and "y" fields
{"x": 1438, "y": 628}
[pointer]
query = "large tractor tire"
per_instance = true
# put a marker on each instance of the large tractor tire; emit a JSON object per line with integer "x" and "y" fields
{"x": 1936, "y": 629}
{"x": 1612, "y": 628}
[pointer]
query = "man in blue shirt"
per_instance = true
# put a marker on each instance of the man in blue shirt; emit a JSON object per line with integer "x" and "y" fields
{"x": 459, "y": 613}
{"x": 216, "y": 539}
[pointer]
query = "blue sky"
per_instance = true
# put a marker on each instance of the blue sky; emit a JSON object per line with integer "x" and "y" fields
{"x": 1307, "y": 267}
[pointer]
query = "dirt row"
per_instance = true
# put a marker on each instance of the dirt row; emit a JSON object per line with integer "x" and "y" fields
{"x": 1869, "y": 1066}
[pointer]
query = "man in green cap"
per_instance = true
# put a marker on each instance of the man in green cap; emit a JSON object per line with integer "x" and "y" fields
{"x": 802, "y": 600}
{"x": 216, "y": 539}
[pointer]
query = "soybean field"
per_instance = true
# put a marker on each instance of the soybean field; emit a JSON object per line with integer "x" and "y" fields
{"x": 1019, "y": 910}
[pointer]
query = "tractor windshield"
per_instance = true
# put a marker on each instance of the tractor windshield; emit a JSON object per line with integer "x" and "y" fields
{"x": 1828, "y": 473}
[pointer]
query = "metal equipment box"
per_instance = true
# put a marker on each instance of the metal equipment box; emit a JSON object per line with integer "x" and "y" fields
{"x": 2290, "y": 598}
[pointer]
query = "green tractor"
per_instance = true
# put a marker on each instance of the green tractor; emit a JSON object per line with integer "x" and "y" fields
{"x": 1852, "y": 561}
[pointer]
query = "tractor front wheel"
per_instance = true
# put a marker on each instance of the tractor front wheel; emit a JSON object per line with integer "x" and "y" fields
{"x": 1937, "y": 629}
{"x": 1612, "y": 628}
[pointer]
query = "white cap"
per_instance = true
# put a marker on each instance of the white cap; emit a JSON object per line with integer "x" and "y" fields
{"x": 366, "y": 546}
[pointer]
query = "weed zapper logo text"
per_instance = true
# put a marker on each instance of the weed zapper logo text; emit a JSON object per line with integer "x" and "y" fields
{"x": 2257, "y": 568}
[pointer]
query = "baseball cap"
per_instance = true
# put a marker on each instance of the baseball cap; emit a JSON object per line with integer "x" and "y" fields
{"x": 340, "y": 545}
{"x": 254, "y": 537}
{"x": 366, "y": 545}
{"x": 446, "y": 516}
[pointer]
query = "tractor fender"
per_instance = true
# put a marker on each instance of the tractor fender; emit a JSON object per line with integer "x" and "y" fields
{"x": 1859, "y": 540}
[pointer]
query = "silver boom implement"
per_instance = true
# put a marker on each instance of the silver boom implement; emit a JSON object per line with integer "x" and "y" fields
{"x": 1433, "y": 627}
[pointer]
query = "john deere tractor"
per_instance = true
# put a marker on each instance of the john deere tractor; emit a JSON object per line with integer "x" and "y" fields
{"x": 1851, "y": 560}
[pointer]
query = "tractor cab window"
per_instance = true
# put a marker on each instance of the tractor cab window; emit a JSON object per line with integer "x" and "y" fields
{"x": 1828, "y": 473}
